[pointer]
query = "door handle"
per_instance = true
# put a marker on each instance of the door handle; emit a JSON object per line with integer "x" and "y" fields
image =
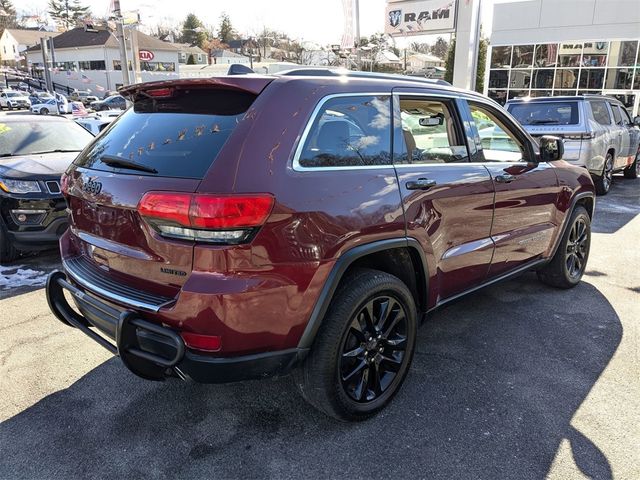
{"x": 420, "y": 184}
{"x": 505, "y": 178}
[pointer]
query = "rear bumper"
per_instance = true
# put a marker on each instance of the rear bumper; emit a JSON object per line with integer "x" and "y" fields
{"x": 153, "y": 351}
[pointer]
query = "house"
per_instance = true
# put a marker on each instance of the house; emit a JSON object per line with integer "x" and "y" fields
{"x": 228, "y": 57}
{"x": 14, "y": 42}
{"x": 185, "y": 51}
{"x": 88, "y": 58}
{"x": 420, "y": 62}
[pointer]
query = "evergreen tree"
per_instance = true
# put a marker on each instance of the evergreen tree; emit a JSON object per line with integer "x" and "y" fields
{"x": 8, "y": 17}
{"x": 191, "y": 60}
{"x": 67, "y": 13}
{"x": 480, "y": 64}
{"x": 193, "y": 31}
{"x": 225, "y": 31}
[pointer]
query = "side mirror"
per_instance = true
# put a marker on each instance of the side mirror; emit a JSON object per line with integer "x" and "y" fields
{"x": 636, "y": 120}
{"x": 551, "y": 148}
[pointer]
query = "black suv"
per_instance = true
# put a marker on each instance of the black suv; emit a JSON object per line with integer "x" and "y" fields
{"x": 34, "y": 152}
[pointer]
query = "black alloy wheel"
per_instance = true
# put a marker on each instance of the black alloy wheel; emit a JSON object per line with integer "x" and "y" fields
{"x": 373, "y": 349}
{"x": 577, "y": 248}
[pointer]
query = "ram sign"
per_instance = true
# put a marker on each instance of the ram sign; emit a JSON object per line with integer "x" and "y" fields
{"x": 420, "y": 17}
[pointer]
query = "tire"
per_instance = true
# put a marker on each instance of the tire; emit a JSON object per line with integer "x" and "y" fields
{"x": 332, "y": 377}
{"x": 44, "y": 111}
{"x": 603, "y": 181}
{"x": 563, "y": 271}
{"x": 8, "y": 252}
{"x": 633, "y": 170}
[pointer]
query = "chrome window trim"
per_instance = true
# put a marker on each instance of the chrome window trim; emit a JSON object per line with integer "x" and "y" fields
{"x": 305, "y": 133}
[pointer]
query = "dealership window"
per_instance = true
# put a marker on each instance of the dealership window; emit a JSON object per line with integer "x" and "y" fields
{"x": 594, "y": 54}
{"x": 540, "y": 93}
{"x": 118, "y": 66}
{"x": 546, "y": 55}
{"x": 157, "y": 66}
{"x": 542, "y": 78}
{"x": 500, "y": 57}
{"x": 618, "y": 78}
{"x": 349, "y": 131}
{"x": 623, "y": 54}
{"x": 499, "y": 96}
{"x": 498, "y": 78}
{"x": 592, "y": 78}
{"x": 566, "y": 78}
{"x": 522, "y": 56}
{"x": 636, "y": 80}
{"x": 72, "y": 66}
{"x": 601, "y": 113}
{"x": 569, "y": 55}
{"x": 518, "y": 93}
{"x": 520, "y": 78}
{"x": 92, "y": 65}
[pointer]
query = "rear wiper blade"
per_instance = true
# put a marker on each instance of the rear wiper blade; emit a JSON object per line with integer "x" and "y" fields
{"x": 114, "y": 161}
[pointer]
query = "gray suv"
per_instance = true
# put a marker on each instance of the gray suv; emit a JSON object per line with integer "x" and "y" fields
{"x": 597, "y": 130}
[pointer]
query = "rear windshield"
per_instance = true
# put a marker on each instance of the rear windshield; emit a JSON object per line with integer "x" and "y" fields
{"x": 178, "y": 136}
{"x": 545, "y": 113}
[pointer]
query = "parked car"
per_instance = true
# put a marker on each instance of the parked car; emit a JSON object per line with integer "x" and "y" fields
{"x": 48, "y": 106}
{"x": 597, "y": 130}
{"x": 114, "y": 102}
{"x": 13, "y": 99}
{"x": 34, "y": 152}
{"x": 259, "y": 225}
{"x": 82, "y": 96}
{"x": 109, "y": 93}
{"x": 97, "y": 122}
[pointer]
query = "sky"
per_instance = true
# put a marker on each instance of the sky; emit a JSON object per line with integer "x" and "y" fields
{"x": 318, "y": 21}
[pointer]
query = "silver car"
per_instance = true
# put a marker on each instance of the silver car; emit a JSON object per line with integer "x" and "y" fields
{"x": 597, "y": 130}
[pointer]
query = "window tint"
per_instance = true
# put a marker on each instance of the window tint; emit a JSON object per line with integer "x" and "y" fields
{"x": 600, "y": 113}
{"x": 499, "y": 143}
{"x": 426, "y": 133}
{"x": 349, "y": 131}
{"x": 616, "y": 114}
{"x": 179, "y": 136}
{"x": 545, "y": 113}
{"x": 626, "y": 118}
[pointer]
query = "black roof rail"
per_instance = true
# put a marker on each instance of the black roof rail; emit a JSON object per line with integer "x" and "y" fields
{"x": 340, "y": 72}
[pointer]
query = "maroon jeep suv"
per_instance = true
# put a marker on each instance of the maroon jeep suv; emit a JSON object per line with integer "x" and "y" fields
{"x": 244, "y": 226}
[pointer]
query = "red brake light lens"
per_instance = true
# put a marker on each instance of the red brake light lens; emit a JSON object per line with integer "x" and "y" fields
{"x": 206, "y": 343}
{"x": 207, "y": 218}
{"x": 159, "y": 92}
{"x": 230, "y": 212}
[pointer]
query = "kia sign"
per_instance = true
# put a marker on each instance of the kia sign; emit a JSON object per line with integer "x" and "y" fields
{"x": 146, "y": 55}
{"x": 420, "y": 17}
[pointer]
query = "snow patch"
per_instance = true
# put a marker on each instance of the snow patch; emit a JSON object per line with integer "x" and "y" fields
{"x": 17, "y": 276}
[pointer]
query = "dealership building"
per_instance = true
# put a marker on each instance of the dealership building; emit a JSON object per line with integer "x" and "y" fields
{"x": 565, "y": 47}
{"x": 89, "y": 59}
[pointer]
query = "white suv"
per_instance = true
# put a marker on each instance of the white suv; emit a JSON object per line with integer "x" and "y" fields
{"x": 11, "y": 100}
{"x": 597, "y": 130}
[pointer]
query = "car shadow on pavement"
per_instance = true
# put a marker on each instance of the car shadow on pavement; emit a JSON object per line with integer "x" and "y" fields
{"x": 495, "y": 382}
{"x": 618, "y": 207}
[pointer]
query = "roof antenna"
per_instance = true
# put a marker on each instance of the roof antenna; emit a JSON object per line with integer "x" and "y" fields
{"x": 239, "y": 69}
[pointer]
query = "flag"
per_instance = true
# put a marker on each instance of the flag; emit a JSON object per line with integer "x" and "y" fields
{"x": 85, "y": 79}
{"x": 99, "y": 88}
{"x": 78, "y": 110}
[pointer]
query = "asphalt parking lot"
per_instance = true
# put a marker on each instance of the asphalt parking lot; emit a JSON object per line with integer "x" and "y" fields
{"x": 517, "y": 381}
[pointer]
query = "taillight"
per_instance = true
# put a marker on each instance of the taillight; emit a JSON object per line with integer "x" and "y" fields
{"x": 206, "y": 343}
{"x": 579, "y": 136}
{"x": 206, "y": 218}
{"x": 159, "y": 92}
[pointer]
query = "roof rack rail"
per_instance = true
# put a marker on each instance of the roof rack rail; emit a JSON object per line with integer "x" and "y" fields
{"x": 340, "y": 72}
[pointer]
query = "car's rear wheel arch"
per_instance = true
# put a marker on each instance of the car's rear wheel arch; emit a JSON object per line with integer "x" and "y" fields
{"x": 399, "y": 257}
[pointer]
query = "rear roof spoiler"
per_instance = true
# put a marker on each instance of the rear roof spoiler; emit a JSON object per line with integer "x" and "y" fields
{"x": 247, "y": 83}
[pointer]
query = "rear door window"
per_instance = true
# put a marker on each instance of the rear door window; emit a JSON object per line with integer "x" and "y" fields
{"x": 617, "y": 119}
{"x": 545, "y": 113}
{"x": 179, "y": 136}
{"x": 428, "y": 132}
{"x": 349, "y": 131}
{"x": 600, "y": 113}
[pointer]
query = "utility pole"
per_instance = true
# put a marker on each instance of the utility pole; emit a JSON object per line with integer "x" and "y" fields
{"x": 135, "y": 52}
{"x": 124, "y": 62}
{"x": 45, "y": 62}
{"x": 358, "y": 51}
